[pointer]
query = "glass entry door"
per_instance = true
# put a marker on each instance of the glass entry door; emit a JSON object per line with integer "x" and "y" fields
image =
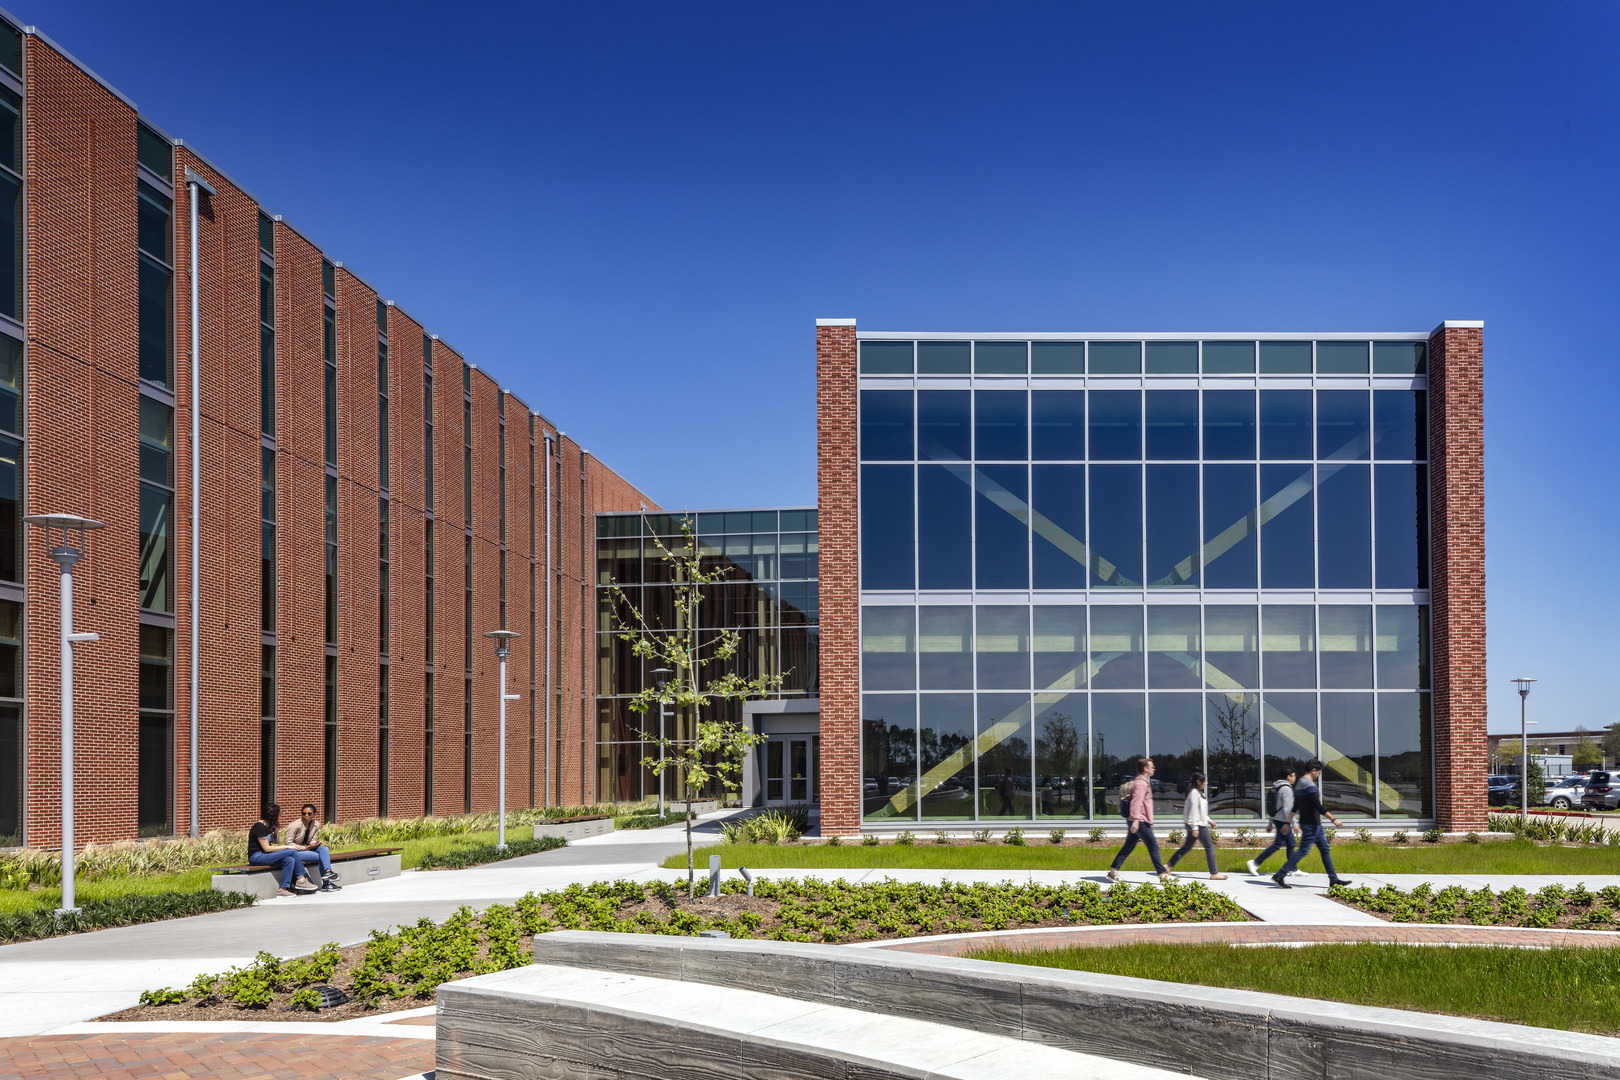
{"x": 789, "y": 770}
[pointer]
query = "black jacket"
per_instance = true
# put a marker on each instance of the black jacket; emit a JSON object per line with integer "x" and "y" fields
{"x": 1308, "y": 801}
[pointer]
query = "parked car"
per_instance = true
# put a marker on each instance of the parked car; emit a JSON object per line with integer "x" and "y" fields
{"x": 1566, "y": 792}
{"x": 1602, "y": 791}
{"x": 1503, "y": 791}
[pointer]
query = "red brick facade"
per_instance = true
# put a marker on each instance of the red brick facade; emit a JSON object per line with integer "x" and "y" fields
{"x": 836, "y": 492}
{"x": 82, "y": 456}
{"x": 1457, "y": 521}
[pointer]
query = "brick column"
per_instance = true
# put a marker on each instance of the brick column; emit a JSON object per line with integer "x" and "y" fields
{"x": 1457, "y": 521}
{"x": 836, "y": 471}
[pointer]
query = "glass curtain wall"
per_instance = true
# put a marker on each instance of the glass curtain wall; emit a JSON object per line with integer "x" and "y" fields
{"x": 12, "y": 736}
{"x": 769, "y": 596}
{"x": 329, "y": 756}
{"x": 267, "y": 558}
{"x": 1214, "y": 553}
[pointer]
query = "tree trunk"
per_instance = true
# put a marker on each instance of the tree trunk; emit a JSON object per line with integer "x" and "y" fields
{"x": 691, "y": 880}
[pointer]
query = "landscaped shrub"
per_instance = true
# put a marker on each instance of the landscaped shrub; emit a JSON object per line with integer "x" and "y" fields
{"x": 1552, "y": 906}
{"x": 1398, "y": 836}
{"x": 1432, "y": 836}
{"x": 118, "y": 911}
{"x": 981, "y": 836}
{"x": 1096, "y": 833}
{"x": 1057, "y": 835}
{"x": 906, "y": 838}
{"x": 477, "y": 855}
{"x": 941, "y": 836}
{"x": 1364, "y": 835}
{"x": 869, "y": 840}
{"x": 1014, "y": 836}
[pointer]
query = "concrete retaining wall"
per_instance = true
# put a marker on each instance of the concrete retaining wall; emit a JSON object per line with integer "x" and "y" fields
{"x": 1227, "y": 1034}
{"x": 574, "y": 830}
{"x": 262, "y": 883}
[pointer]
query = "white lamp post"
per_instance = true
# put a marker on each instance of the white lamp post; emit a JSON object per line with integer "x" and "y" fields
{"x": 501, "y": 651}
{"x": 66, "y": 553}
{"x": 661, "y": 679}
{"x": 1524, "y": 748}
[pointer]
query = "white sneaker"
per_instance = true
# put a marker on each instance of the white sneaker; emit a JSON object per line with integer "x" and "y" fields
{"x": 1254, "y": 870}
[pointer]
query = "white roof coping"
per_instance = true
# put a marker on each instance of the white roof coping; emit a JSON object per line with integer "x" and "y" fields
{"x": 1462, "y": 324}
{"x": 835, "y": 322}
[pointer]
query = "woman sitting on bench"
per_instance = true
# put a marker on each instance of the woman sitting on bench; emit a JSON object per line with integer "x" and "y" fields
{"x": 264, "y": 851}
{"x": 305, "y": 835}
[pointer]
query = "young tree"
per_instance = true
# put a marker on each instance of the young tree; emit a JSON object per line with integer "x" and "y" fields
{"x": 1611, "y": 743}
{"x": 702, "y": 675}
{"x": 1587, "y": 754}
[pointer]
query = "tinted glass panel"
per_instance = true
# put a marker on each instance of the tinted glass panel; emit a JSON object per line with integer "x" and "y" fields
{"x": 1061, "y": 765}
{"x": 157, "y": 442}
{"x": 945, "y": 526}
{"x": 885, "y": 358}
{"x": 1058, "y": 425}
{"x": 1344, "y": 515}
{"x": 1345, "y": 646}
{"x": 1172, "y": 357}
{"x": 154, "y": 321}
{"x": 11, "y": 129}
{"x": 1059, "y": 645}
{"x": 1400, "y": 424}
{"x": 1232, "y": 723}
{"x": 1285, "y": 358}
{"x": 886, "y": 425}
{"x": 1229, "y": 425}
{"x": 1290, "y": 733}
{"x": 946, "y": 734}
{"x": 1058, "y": 500}
{"x": 1172, "y": 526}
{"x": 1116, "y": 525}
{"x": 1118, "y": 739}
{"x": 1116, "y": 648}
{"x": 944, "y": 357}
{"x": 11, "y": 370}
{"x": 1000, "y": 425}
{"x": 152, "y": 150}
{"x": 1002, "y": 506}
{"x": 944, "y": 425}
{"x": 10, "y": 247}
{"x": 1228, "y": 357}
{"x": 1401, "y": 511}
{"x": 1174, "y": 653}
{"x": 1399, "y": 357}
{"x": 1285, "y": 425}
{"x": 153, "y": 221}
{"x": 1001, "y": 357}
{"x": 1172, "y": 425}
{"x": 1004, "y": 756}
{"x": 267, "y": 236}
{"x": 1231, "y": 646}
{"x": 1001, "y": 647}
{"x": 888, "y": 648}
{"x": 889, "y": 756}
{"x": 1176, "y": 745}
{"x": 1115, "y": 424}
{"x": 1341, "y": 425}
{"x": 1116, "y": 357}
{"x": 1347, "y": 753}
{"x": 1288, "y": 643}
{"x": 154, "y": 566}
{"x": 1230, "y": 525}
{"x": 1403, "y": 766}
{"x": 1341, "y": 357}
{"x": 11, "y": 526}
{"x": 945, "y": 648}
{"x": 1288, "y": 527}
{"x": 886, "y": 534}
{"x": 1403, "y": 647}
{"x": 1058, "y": 357}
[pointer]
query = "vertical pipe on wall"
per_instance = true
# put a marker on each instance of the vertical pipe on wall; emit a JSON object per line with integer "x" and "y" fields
{"x": 587, "y": 650}
{"x": 550, "y": 629}
{"x": 197, "y": 186}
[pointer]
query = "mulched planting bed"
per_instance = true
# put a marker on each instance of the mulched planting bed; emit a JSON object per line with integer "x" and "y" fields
{"x": 1555, "y": 906}
{"x": 401, "y": 970}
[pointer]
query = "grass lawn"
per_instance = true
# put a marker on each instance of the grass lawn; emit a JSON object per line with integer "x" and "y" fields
{"x": 1570, "y": 989}
{"x": 1349, "y": 858}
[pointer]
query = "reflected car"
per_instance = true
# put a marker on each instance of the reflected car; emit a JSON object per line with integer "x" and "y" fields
{"x": 1602, "y": 791}
{"x": 1566, "y": 792}
{"x": 1502, "y": 791}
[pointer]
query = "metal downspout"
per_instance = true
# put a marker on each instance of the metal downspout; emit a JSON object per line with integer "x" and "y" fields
{"x": 551, "y": 647}
{"x": 197, "y": 185}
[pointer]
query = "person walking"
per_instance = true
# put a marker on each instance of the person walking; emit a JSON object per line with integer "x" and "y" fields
{"x": 1139, "y": 811}
{"x": 1308, "y": 798}
{"x": 1280, "y": 812}
{"x": 1195, "y": 816}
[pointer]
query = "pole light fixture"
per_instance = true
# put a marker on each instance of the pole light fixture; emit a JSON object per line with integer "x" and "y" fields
{"x": 64, "y": 543}
{"x": 1523, "y": 684}
{"x": 502, "y": 638}
{"x": 661, "y": 680}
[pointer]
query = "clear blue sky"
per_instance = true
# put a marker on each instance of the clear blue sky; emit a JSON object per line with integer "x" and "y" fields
{"x": 632, "y": 214}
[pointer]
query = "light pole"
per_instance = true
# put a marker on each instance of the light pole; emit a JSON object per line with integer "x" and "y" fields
{"x": 501, "y": 638}
{"x": 1524, "y": 748}
{"x": 660, "y": 680}
{"x": 65, "y": 555}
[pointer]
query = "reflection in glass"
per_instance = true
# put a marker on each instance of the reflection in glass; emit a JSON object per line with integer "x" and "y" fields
{"x": 888, "y": 756}
{"x": 886, "y": 537}
{"x": 886, "y": 425}
{"x": 1341, "y": 358}
{"x": 1290, "y": 735}
{"x": 885, "y": 358}
{"x": 1233, "y": 729}
{"x": 944, "y": 527}
{"x": 1000, "y": 425}
{"x": 1116, "y": 525}
{"x": 1172, "y": 357}
{"x": 1231, "y": 646}
{"x": 1116, "y": 647}
{"x": 1004, "y": 756}
{"x": 944, "y": 425}
{"x": 1172, "y": 425}
{"x": 1115, "y": 425}
{"x": 1287, "y": 527}
{"x": 1401, "y": 511}
{"x": 1058, "y": 503}
{"x": 1341, "y": 425}
{"x": 1002, "y": 505}
{"x": 1403, "y": 764}
{"x": 11, "y": 775}
{"x": 1344, "y": 516}
{"x": 1116, "y": 358}
{"x": 945, "y": 723}
{"x": 1347, "y": 753}
{"x": 1400, "y": 425}
{"x": 1288, "y": 645}
{"x": 888, "y": 648}
{"x": 1172, "y": 526}
{"x": 1345, "y": 645}
{"x": 1228, "y": 357}
{"x": 1057, "y": 425}
{"x": 1001, "y": 357}
{"x": 155, "y": 588}
{"x": 1058, "y": 358}
{"x": 1229, "y": 431}
{"x": 1286, "y": 425}
{"x": 1001, "y": 646}
{"x": 944, "y": 357}
{"x": 11, "y": 530}
{"x": 1285, "y": 358}
{"x": 1061, "y": 731}
{"x": 1059, "y": 645}
{"x": 1231, "y": 520}
{"x": 1403, "y": 646}
{"x": 945, "y": 648}
{"x": 1399, "y": 357}
{"x": 1118, "y": 739}
{"x": 1173, "y": 654}
{"x": 1176, "y": 745}
{"x": 11, "y": 373}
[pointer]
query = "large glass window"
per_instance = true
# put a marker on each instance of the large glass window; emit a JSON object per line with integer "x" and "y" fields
{"x": 1288, "y": 645}
{"x": 1400, "y": 425}
{"x": 154, "y": 302}
{"x": 944, "y": 527}
{"x": 1001, "y": 551}
{"x": 1172, "y": 425}
{"x": 1287, "y": 527}
{"x": 1000, "y": 425}
{"x": 1172, "y": 357}
{"x": 949, "y": 780}
{"x": 1058, "y": 520}
{"x": 331, "y": 559}
{"x": 1004, "y": 749}
{"x": 1231, "y": 520}
{"x": 1001, "y": 647}
{"x": 154, "y": 773}
{"x": 886, "y": 424}
{"x": 1058, "y": 357}
{"x": 1231, "y": 646}
{"x": 1174, "y": 656}
{"x": 944, "y": 425}
{"x": 1403, "y": 761}
{"x": 267, "y": 554}
{"x": 1176, "y": 745}
{"x": 1229, "y": 426}
{"x": 1345, "y": 646}
{"x": 1114, "y": 422}
{"x": 1116, "y": 525}
{"x": 329, "y": 332}
{"x": 889, "y": 756}
{"x": 1118, "y": 739}
{"x": 1057, "y": 425}
{"x": 1347, "y": 754}
{"x": 1286, "y": 425}
{"x": 886, "y": 527}
{"x": 156, "y": 498}
{"x": 1401, "y": 517}
{"x": 1344, "y": 526}
{"x": 1341, "y": 425}
{"x": 12, "y": 737}
{"x": 1232, "y": 722}
{"x": 1115, "y": 357}
{"x": 1116, "y": 648}
{"x": 1172, "y": 526}
{"x": 944, "y": 648}
{"x": 944, "y": 357}
{"x": 11, "y": 459}
{"x": 1403, "y": 646}
{"x": 1058, "y": 641}
{"x": 1061, "y": 759}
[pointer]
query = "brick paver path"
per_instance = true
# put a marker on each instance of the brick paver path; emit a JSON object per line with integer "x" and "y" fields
{"x": 148, "y": 1056}
{"x": 1263, "y": 934}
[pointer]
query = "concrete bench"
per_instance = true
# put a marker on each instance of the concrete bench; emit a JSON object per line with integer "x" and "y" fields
{"x": 356, "y": 867}
{"x": 574, "y": 828}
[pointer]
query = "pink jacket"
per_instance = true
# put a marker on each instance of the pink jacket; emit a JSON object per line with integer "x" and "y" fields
{"x": 1142, "y": 800}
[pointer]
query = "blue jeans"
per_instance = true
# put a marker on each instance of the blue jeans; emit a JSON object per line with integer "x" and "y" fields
{"x": 1312, "y": 836}
{"x": 1284, "y": 839}
{"x": 320, "y": 855}
{"x": 1144, "y": 835}
{"x": 287, "y": 861}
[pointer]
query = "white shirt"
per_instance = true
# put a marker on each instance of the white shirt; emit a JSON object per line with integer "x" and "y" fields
{"x": 1195, "y": 812}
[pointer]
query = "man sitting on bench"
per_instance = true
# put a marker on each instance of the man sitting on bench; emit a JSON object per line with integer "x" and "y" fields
{"x": 304, "y": 836}
{"x": 264, "y": 851}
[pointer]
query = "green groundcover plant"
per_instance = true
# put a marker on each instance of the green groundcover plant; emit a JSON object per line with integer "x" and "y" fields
{"x": 1555, "y": 905}
{"x": 411, "y": 961}
{"x": 120, "y": 911}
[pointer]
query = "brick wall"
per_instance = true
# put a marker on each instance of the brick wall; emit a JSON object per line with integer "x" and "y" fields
{"x": 1457, "y": 520}
{"x": 836, "y": 471}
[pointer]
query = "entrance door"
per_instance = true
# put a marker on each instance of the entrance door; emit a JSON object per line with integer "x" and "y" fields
{"x": 789, "y": 770}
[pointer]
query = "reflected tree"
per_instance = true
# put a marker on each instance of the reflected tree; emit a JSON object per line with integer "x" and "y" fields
{"x": 1234, "y": 747}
